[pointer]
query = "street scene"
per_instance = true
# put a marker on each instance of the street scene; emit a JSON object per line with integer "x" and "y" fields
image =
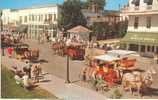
{"x": 80, "y": 50}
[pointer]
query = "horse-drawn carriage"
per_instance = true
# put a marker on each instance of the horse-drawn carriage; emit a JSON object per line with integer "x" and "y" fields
{"x": 23, "y": 51}
{"x": 75, "y": 51}
{"x": 58, "y": 48}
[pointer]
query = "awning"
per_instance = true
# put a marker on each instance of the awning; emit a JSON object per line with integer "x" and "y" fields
{"x": 106, "y": 57}
{"x": 141, "y": 38}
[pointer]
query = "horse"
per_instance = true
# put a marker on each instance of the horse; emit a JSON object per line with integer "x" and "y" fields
{"x": 138, "y": 81}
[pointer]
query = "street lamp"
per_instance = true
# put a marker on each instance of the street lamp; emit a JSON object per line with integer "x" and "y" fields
{"x": 68, "y": 65}
{"x": 68, "y": 70}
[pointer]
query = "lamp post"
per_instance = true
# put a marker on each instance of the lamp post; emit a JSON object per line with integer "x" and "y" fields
{"x": 68, "y": 70}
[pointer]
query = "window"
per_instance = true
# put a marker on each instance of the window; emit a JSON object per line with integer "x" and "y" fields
{"x": 136, "y": 2}
{"x": 29, "y": 17}
{"x": 50, "y": 17}
{"x": 136, "y": 21}
{"x": 142, "y": 48}
{"x": 54, "y": 16}
{"x": 148, "y": 2}
{"x": 148, "y": 48}
{"x": 25, "y": 20}
{"x": 148, "y": 22}
{"x": 33, "y": 17}
{"x": 41, "y": 17}
{"x": 20, "y": 19}
{"x": 153, "y": 48}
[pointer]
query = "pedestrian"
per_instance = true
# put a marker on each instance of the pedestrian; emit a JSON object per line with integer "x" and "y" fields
{"x": 27, "y": 68}
{"x": 10, "y": 51}
{"x": 35, "y": 73}
{"x": 27, "y": 84}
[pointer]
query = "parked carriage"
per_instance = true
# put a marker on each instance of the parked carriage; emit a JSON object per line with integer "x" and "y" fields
{"x": 75, "y": 51}
{"x": 58, "y": 48}
{"x": 24, "y": 52}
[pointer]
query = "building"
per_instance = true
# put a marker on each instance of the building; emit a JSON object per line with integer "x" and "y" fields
{"x": 109, "y": 18}
{"x": 142, "y": 35}
{"x": 37, "y": 20}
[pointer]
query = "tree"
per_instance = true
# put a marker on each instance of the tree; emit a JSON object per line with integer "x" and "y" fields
{"x": 122, "y": 28}
{"x": 1, "y": 23}
{"x": 71, "y": 15}
{"x": 100, "y": 3}
{"x": 100, "y": 29}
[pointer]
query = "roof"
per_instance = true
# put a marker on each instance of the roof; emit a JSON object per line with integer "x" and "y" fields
{"x": 106, "y": 58}
{"x": 36, "y": 6}
{"x": 141, "y": 38}
{"x": 121, "y": 53}
{"x": 79, "y": 29}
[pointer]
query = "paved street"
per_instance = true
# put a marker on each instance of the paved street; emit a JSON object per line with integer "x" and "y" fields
{"x": 56, "y": 65}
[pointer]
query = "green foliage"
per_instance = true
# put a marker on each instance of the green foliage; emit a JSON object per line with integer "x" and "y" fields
{"x": 9, "y": 88}
{"x": 71, "y": 15}
{"x": 116, "y": 94}
{"x": 122, "y": 28}
{"x": 99, "y": 28}
{"x": 100, "y": 3}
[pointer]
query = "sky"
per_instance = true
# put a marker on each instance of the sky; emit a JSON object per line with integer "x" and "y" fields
{"x": 17, "y": 4}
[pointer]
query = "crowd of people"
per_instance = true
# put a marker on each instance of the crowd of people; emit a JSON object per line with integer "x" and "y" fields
{"x": 28, "y": 76}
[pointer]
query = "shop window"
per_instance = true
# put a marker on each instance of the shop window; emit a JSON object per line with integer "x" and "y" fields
{"x": 153, "y": 48}
{"x": 148, "y": 2}
{"x": 133, "y": 47}
{"x": 148, "y": 22}
{"x": 136, "y": 22}
{"x": 142, "y": 48}
{"x": 148, "y": 48}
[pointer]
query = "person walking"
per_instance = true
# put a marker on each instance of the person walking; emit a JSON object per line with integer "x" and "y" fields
{"x": 27, "y": 68}
{"x": 10, "y": 51}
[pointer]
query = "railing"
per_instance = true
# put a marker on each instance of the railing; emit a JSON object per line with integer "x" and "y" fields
{"x": 140, "y": 8}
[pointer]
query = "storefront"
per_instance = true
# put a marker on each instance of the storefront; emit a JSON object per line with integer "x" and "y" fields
{"x": 141, "y": 42}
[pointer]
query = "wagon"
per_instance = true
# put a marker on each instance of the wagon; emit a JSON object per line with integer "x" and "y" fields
{"x": 128, "y": 58}
{"x": 75, "y": 51}
{"x": 105, "y": 69}
{"x": 23, "y": 51}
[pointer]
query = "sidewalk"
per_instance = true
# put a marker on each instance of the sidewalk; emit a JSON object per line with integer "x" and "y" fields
{"x": 58, "y": 87}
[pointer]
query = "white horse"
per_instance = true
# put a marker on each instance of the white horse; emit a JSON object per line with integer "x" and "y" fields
{"x": 137, "y": 80}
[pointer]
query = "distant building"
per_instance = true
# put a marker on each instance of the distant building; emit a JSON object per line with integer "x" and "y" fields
{"x": 37, "y": 20}
{"x": 142, "y": 33}
{"x": 94, "y": 14}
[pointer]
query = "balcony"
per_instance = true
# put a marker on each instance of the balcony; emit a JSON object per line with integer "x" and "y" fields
{"x": 141, "y": 9}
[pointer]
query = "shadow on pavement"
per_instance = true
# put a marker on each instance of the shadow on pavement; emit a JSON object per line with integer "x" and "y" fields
{"x": 41, "y": 61}
{"x": 150, "y": 92}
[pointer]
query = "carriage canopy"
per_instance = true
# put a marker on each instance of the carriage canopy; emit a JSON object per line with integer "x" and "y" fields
{"x": 107, "y": 58}
{"x": 122, "y": 53}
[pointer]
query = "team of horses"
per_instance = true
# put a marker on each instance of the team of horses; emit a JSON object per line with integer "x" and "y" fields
{"x": 133, "y": 81}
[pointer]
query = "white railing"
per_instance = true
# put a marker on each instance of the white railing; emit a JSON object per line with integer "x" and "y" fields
{"x": 141, "y": 8}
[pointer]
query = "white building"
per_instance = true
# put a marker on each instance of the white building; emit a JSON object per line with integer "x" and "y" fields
{"x": 37, "y": 19}
{"x": 142, "y": 32}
